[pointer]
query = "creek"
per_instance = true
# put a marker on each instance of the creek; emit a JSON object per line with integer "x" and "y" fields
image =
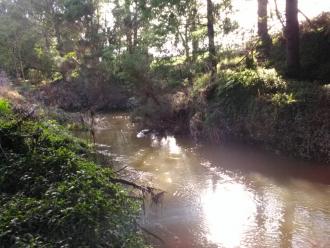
{"x": 220, "y": 196}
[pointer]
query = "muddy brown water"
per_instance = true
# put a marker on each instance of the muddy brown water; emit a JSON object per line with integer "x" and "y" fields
{"x": 221, "y": 197}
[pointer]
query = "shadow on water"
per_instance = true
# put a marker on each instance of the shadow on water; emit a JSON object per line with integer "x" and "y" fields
{"x": 221, "y": 196}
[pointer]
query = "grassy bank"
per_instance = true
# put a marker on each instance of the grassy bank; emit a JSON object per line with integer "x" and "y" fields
{"x": 52, "y": 195}
{"x": 251, "y": 106}
{"x": 259, "y": 107}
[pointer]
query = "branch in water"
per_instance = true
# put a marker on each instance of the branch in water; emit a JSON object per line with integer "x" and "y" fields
{"x": 150, "y": 233}
{"x": 134, "y": 185}
{"x": 120, "y": 170}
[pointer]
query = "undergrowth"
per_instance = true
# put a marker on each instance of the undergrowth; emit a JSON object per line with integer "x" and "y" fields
{"x": 52, "y": 195}
{"x": 258, "y": 106}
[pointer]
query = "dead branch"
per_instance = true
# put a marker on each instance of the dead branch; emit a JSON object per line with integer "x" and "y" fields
{"x": 308, "y": 20}
{"x": 120, "y": 170}
{"x": 251, "y": 49}
{"x": 150, "y": 233}
{"x": 155, "y": 197}
{"x": 278, "y": 14}
{"x": 134, "y": 185}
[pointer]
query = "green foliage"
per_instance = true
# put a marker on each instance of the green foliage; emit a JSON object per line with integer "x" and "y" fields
{"x": 258, "y": 106}
{"x": 22, "y": 40}
{"x": 282, "y": 99}
{"x": 4, "y": 107}
{"x": 174, "y": 70}
{"x": 239, "y": 89}
{"x": 200, "y": 81}
{"x": 51, "y": 196}
{"x": 76, "y": 9}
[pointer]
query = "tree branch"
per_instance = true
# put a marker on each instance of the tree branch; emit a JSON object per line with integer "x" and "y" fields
{"x": 278, "y": 14}
{"x": 308, "y": 20}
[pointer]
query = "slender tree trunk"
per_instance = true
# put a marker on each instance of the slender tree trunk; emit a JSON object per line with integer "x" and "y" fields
{"x": 15, "y": 61}
{"x": 128, "y": 22}
{"x": 20, "y": 61}
{"x": 195, "y": 42}
{"x": 55, "y": 22}
{"x": 21, "y": 67}
{"x": 58, "y": 37}
{"x": 135, "y": 25}
{"x": 265, "y": 46}
{"x": 292, "y": 38}
{"x": 129, "y": 41}
{"x": 186, "y": 39}
{"x": 210, "y": 34}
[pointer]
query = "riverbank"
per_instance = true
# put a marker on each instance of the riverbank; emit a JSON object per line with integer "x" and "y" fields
{"x": 251, "y": 106}
{"x": 52, "y": 194}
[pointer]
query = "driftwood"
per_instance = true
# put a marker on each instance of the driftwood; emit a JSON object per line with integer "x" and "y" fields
{"x": 120, "y": 170}
{"x": 150, "y": 233}
{"x": 155, "y": 197}
{"x": 144, "y": 189}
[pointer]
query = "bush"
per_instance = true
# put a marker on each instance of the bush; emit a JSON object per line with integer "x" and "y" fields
{"x": 51, "y": 195}
{"x": 4, "y": 107}
{"x": 237, "y": 90}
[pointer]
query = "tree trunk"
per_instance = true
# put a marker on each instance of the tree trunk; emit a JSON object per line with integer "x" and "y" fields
{"x": 15, "y": 61}
{"x": 186, "y": 39}
{"x": 20, "y": 61}
{"x": 292, "y": 38}
{"x": 135, "y": 25}
{"x": 265, "y": 46}
{"x": 129, "y": 39}
{"x": 58, "y": 37}
{"x": 128, "y": 22}
{"x": 210, "y": 34}
{"x": 195, "y": 42}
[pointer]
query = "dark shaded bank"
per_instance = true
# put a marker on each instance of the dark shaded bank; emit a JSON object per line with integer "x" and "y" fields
{"x": 80, "y": 95}
{"x": 254, "y": 107}
{"x": 53, "y": 195}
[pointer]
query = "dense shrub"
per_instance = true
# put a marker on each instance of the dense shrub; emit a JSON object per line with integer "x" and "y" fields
{"x": 51, "y": 195}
